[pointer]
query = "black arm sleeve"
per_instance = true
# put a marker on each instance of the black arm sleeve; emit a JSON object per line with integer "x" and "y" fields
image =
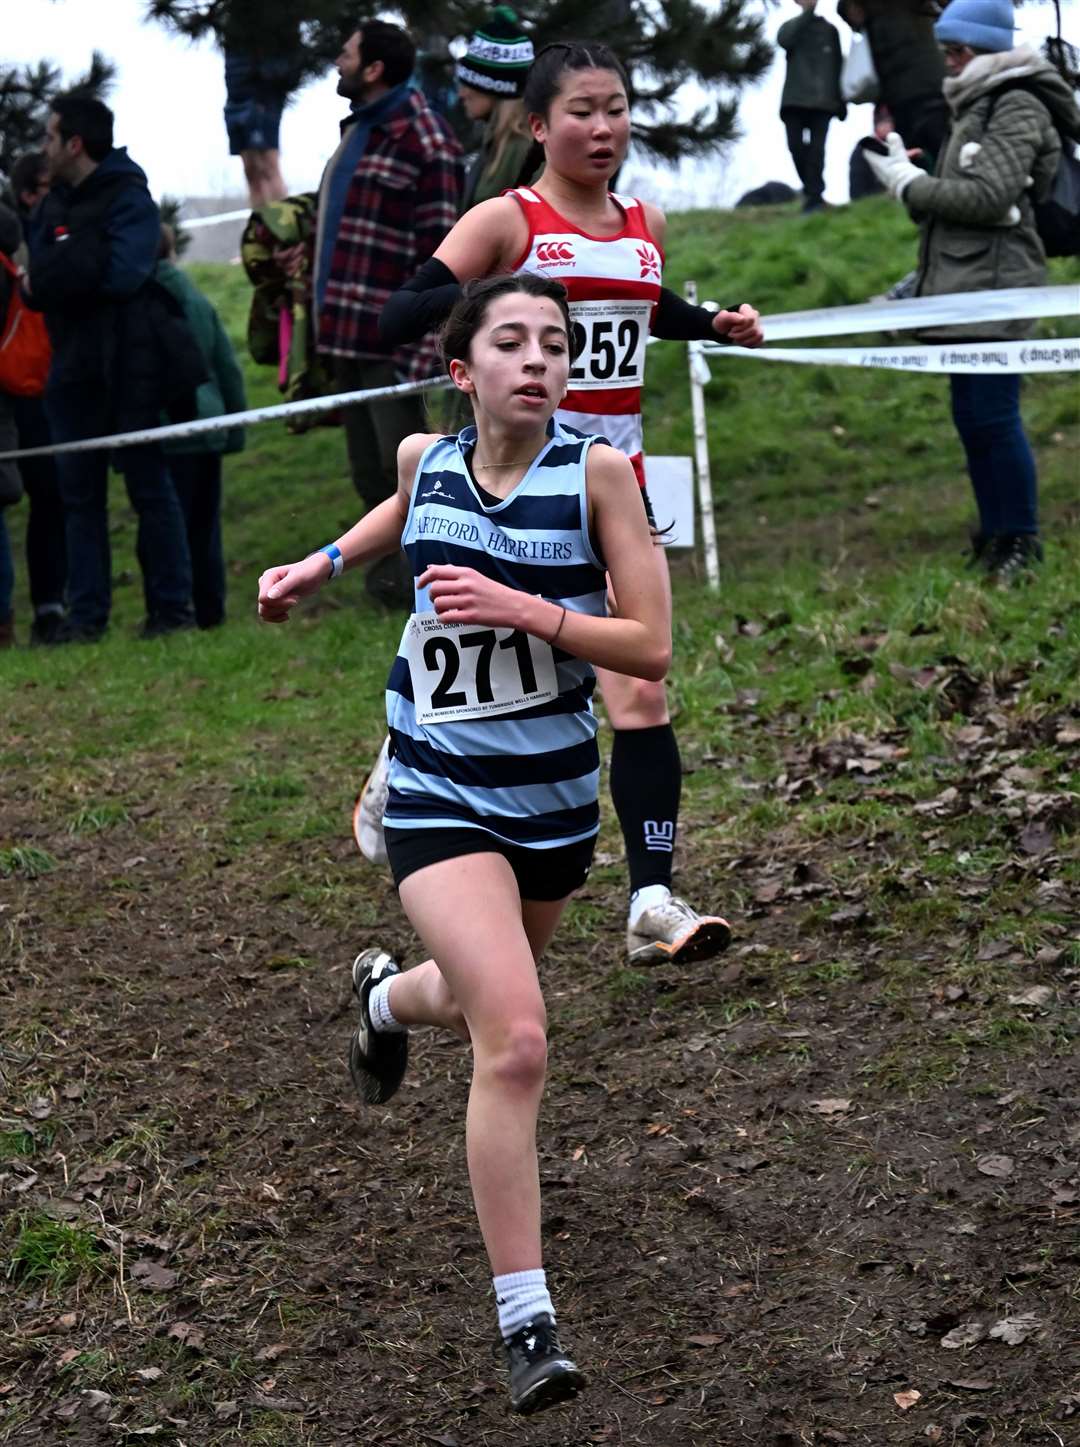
{"x": 422, "y": 303}
{"x": 676, "y": 320}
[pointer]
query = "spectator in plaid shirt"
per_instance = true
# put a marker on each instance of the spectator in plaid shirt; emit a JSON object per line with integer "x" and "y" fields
{"x": 389, "y": 194}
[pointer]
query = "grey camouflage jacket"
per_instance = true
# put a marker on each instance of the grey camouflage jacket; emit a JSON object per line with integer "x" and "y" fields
{"x": 975, "y": 212}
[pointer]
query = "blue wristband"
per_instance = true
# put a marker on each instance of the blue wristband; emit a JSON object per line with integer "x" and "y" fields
{"x": 337, "y": 562}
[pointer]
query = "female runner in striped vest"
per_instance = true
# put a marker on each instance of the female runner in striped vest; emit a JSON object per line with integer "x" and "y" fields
{"x": 608, "y": 252}
{"x": 492, "y": 815}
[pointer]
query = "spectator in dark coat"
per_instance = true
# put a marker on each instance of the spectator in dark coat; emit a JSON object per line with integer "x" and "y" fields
{"x": 46, "y": 543}
{"x": 93, "y": 248}
{"x": 909, "y": 64}
{"x": 195, "y": 462}
{"x": 811, "y": 95}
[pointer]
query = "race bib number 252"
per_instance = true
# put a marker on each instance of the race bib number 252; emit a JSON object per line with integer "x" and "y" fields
{"x": 609, "y": 343}
{"x": 463, "y": 671}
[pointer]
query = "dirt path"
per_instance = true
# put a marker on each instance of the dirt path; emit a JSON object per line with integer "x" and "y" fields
{"x": 757, "y": 1234}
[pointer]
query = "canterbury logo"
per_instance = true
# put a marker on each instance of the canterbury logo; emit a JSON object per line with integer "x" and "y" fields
{"x": 660, "y": 835}
{"x": 650, "y": 261}
{"x": 552, "y": 253}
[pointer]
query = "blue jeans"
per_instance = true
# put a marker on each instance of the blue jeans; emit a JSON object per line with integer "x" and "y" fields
{"x": 197, "y": 479}
{"x": 161, "y": 541}
{"x": 986, "y": 411}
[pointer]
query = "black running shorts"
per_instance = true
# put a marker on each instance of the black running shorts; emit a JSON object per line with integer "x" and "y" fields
{"x": 541, "y": 874}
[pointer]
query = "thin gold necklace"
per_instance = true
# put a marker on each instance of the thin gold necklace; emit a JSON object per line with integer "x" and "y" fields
{"x": 491, "y": 466}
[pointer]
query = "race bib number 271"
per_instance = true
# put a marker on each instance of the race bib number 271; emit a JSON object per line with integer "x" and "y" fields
{"x": 464, "y": 671}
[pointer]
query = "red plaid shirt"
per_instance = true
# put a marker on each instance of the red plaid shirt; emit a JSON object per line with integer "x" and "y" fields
{"x": 402, "y": 200}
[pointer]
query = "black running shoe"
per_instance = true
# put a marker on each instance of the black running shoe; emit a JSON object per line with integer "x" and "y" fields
{"x": 377, "y": 1058}
{"x": 1015, "y": 559}
{"x": 540, "y": 1373}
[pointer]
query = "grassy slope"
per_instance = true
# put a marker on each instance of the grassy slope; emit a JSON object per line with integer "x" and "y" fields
{"x": 842, "y": 503}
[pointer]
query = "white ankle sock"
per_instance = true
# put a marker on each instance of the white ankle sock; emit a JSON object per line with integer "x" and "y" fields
{"x": 520, "y": 1296}
{"x": 646, "y": 898}
{"x": 382, "y": 1017}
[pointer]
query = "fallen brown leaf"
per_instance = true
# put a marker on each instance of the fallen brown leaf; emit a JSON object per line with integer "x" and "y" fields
{"x": 967, "y": 1335}
{"x": 1013, "y": 1330}
{"x": 998, "y": 1166}
{"x": 830, "y": 1106}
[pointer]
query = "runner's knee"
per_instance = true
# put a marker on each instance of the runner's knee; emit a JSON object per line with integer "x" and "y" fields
{"x": 519, "y": 1061}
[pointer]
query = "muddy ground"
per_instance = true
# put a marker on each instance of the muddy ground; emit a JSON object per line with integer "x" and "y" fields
{"x": 783, "y": 1206}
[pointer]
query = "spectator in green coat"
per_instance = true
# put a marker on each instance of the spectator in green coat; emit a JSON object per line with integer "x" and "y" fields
{"x": 491, "y": 77}
{"x": 811, "y": 95}
{"x": 195, "y": 462}
{"x": 1009, "y": 109}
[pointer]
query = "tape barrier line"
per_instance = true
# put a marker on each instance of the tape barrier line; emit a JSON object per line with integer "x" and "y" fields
{"x": 194, "y": 223}
{"x": 970, "y": 358}
{"x": 1020, "y": 303}
{"x": 229, "y": 420}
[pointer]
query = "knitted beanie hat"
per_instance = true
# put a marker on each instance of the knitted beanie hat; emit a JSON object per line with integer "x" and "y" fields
{"x": 982, "y": 24}
{"x": 498, "y": 56}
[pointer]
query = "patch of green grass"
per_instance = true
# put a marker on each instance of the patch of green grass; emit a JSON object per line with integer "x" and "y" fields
{"x": 95, "y": 818}
{"x": 273, "y": 786}
{"x": 833, "y": 972}
{"x": 54, "y": 1253}
{"x": 26, "y": 861}
{"x": 145, "y": 1139}
{"x": 916, "y": 1067}
{"x": 624, "y": 983}
{"x": 16, "y": 1143}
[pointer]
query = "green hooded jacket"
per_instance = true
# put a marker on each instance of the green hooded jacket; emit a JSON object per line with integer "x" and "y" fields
{"x": 224, "y": 392}
{"x": 978, "y": 225}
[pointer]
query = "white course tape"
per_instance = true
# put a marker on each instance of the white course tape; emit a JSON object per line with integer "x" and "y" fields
{"x": 971, "y": 358}
{"x": 1020, "y": 303}
{"x": 230, "y": 420}
{"x": 195, "y": 222}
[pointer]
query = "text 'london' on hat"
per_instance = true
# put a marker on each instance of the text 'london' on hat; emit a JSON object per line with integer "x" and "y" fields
{"x": 498, "y": 57}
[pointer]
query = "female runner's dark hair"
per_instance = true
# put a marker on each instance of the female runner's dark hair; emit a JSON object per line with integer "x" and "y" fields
{"x": 477, "y": 296}
{"x": 544, "y": 80}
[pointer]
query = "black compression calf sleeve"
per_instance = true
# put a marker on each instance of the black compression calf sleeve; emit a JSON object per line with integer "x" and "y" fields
{"x": 646, "y": 782}
{"x": 422, "y": 304}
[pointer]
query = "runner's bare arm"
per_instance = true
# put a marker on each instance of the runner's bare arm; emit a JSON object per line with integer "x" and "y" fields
{"x": 487, "y": 239}
{"x": 377, "y": 534}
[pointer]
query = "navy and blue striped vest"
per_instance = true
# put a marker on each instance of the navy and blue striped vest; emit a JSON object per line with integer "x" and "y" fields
{"x": 530, "y": 777}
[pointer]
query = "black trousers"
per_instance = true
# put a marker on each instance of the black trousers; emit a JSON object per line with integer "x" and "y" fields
{"x": 46, "y": 542}
{"x": 806, "y": 141}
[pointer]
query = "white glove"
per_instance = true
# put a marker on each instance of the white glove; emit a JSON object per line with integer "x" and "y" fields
{"x": 894, "y": 171}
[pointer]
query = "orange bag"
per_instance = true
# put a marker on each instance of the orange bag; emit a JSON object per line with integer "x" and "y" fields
{"x": 25, "y": 352}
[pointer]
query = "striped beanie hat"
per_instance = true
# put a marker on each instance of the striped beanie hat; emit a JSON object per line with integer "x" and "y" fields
{"x": 498, "y": 56}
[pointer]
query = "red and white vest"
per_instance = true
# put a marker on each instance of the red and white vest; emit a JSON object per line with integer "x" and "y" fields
{"x": 614, "y": 285}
